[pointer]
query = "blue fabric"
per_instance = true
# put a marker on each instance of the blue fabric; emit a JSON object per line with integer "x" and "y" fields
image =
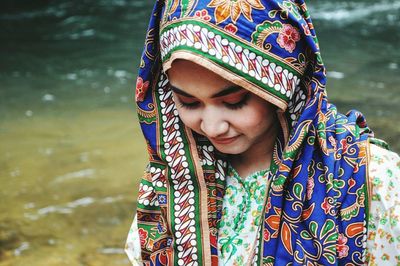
{"x": 316, "y": 206}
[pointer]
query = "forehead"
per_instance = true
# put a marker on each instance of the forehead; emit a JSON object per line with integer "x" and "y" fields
{"x": 195, "y": 79}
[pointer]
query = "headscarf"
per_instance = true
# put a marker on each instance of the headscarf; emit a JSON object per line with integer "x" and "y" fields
{"x": 315, "y": 213}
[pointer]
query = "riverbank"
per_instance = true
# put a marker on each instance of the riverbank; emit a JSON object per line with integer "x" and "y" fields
{"x": 71, "y": 184}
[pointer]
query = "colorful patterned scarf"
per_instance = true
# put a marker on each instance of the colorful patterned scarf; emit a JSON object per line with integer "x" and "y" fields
{"x": 317, "y": 199}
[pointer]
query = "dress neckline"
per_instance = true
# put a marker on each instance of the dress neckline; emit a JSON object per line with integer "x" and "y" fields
{"x": 251, "y": 176}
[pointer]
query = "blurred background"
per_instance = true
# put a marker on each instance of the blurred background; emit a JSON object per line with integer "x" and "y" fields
{"x": 71, "y": 152}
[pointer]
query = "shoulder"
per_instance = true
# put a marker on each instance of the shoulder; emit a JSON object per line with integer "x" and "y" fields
{"x": 384, "y": 207}
{"x": 383, "y": 163}
{"x": 381, "y": 154}
{"x": 384, "y": 175}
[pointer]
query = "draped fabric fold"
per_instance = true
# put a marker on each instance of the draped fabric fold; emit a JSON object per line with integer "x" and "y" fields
{"x": 316, "y": 206}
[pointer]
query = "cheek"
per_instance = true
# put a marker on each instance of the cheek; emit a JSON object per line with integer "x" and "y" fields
{"x": 256, "y": 117}
{"x": 254, "y": 124}
{"x": 189, "y": 118}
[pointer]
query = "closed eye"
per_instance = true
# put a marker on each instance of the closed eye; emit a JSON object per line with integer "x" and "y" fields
{"x": 187, "y": 102}
{"x": 191, "y": 105}
{"x": 238, "y": 104}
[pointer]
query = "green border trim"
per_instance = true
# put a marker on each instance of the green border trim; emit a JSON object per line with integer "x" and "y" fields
{"x": 192, "y": 172}
{"x": 379, "y": 142}
{"x": 227, "y": 65}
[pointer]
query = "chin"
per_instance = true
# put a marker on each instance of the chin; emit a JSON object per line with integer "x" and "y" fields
{"x": 230, "y": 149}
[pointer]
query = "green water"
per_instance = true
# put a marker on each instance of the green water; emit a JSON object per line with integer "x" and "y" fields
{"x": 71, "y": 152}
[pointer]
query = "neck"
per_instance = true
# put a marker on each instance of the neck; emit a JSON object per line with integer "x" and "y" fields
{"x": 258, "y": 157}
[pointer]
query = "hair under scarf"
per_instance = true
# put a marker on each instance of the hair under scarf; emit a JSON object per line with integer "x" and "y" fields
{"x": 316, "y": 206}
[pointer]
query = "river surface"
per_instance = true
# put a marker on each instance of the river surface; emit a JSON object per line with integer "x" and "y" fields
{"x": 71, "y": 152}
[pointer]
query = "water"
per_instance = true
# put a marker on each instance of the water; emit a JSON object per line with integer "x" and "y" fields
{"x": 359, "y": 42}
{"x": 71, "y": 152}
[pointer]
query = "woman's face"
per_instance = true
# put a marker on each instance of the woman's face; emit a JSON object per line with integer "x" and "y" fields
{"x": 232, "y": 118}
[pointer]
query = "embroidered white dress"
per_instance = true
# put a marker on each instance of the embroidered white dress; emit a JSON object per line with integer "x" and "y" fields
{"x": 241, "y": 216}
{"x": 383, "y": 243}
{"x": 238, "y": 231}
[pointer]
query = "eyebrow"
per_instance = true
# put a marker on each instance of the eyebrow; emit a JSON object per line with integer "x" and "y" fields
{"x": 223, "y": 92}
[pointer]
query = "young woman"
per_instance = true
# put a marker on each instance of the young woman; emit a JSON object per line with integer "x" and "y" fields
{"x": 249, "y": 164}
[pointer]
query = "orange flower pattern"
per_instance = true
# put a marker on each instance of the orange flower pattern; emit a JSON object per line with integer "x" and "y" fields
{"x": 296, "y": 224}
{"x": 383, "y": 244}
{"x": 233, "y": 9}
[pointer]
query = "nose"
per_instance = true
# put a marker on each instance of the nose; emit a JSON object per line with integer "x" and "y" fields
{"x": 213, "y": 124}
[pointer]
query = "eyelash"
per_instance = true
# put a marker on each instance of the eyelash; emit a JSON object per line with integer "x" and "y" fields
{"x": 189, "y": 105}
{"x": 238, "y": 104}
{"x": 234, "y": 106}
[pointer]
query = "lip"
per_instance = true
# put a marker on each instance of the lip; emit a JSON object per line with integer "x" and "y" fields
{"x": 224, "y": 140}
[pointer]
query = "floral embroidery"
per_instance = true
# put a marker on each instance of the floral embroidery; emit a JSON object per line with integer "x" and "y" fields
{"x": 203, "y": 14}
{"x": 267, "y": 235}
{"x": 383, "y": 244}
{"x": 288, "y": 37}
{"x": 241, "y": 216}
{"x": 162, "y": 199}
{"x": 141, "y": 88}
{"x": 268, "y": 207}
{"x": 286, "y": 8}
{"x": 306, "y": 29}
{"x": 233, "y": 9}
{"x": 344, "y": 145}
{"x": 142, "y": 237}
{"x": 277, "y": 72}
{"x": 332, "y": 141}
{"x": 231, "y": 28}
{"x": 351, "y": 182}
{"x": 310, "y": 187}
{"x": 327, "y": 205}
{"x": 342, "y": 248}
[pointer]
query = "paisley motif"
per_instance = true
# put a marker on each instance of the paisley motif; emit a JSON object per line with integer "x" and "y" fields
{"x": 316, "y": 201}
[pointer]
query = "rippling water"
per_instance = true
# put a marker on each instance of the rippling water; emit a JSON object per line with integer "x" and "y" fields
{"x": 70, "y": 151}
